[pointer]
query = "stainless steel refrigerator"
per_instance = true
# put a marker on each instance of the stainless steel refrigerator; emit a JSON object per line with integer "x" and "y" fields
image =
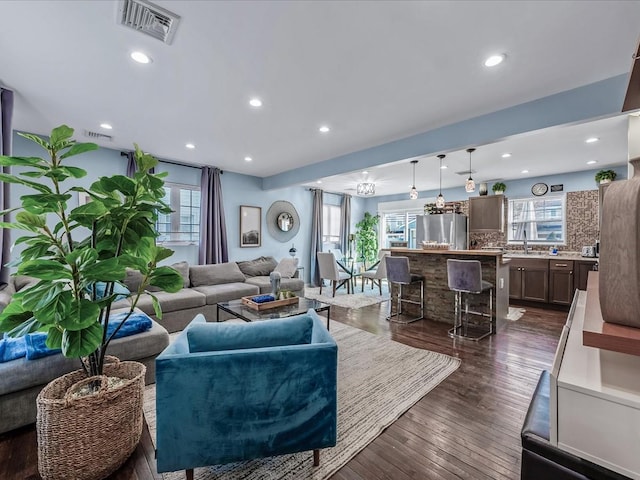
{"x": 448, "y": 228}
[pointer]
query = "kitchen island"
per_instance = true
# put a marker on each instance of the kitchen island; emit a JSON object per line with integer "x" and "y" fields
{"x": 438, "y": 299}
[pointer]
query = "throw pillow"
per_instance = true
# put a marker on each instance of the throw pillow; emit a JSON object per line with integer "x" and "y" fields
{"x": 260, "y": 267}
{"x": 183, "y": 269}
{"x": 287, "y": 267}
{"x": 120, "y": 290}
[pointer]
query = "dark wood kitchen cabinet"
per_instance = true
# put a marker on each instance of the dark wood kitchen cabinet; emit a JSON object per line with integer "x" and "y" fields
{"x": 486, "y": 213}
{"x": 529, "y": 279}
{"x": 561, "y": 281}
{"x": 581, "y": 272}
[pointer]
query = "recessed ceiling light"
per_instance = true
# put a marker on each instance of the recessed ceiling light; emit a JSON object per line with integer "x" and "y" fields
{"x": 591, "y": 162}
{"x": 443, "y": 167}
{"x": 506, "y": 155}
{"x": 190, "y": 146}
{"x": 255, "y": 102}
{"x": 140, "y": 57}
{"x": 324, "y": 129}
{"x": 319, "y": 181}
{"x": 106, "y": 126}
{"x": 494, "y": 60}
{"x": 592, "y": 140}
{"x": 365, "y": 172}
{"x": 525, "y": 171}
{"x": 247, "y": 159}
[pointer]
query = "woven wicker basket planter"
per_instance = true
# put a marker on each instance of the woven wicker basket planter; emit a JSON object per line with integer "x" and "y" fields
{"x": 90, "y": 437}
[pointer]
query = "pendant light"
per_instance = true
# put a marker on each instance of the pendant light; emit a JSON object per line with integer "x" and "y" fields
{"x": 413, "y": 194}
{"x": 440, "y": 199}
{"x": 470, "y": 185}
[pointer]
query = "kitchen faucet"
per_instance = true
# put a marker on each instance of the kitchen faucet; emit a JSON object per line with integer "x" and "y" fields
{"x": 526, "y": 246}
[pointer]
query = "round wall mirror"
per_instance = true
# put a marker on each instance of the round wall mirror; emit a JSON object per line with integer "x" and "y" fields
{"x": 285, "y": 221}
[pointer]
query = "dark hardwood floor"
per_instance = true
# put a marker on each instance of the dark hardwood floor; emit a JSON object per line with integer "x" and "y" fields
{"x": 468, "y": 427}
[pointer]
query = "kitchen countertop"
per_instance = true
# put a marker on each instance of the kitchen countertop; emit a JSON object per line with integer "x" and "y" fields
{"x": 545, "y": 255}
{"x": 443, "y": 251}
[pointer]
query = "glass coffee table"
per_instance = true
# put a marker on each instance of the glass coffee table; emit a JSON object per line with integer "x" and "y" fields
{"x": 248, "y": 314}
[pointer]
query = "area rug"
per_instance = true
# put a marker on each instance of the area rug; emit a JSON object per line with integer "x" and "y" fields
{"x": 378, "y": 380}
{"x": 348, "y": 300}
{"x": 515, "y": 313}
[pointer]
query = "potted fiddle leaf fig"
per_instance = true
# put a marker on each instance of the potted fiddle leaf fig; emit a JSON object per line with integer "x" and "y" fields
{"x": 367, "y": 239}
{"x": 78, "y": 257}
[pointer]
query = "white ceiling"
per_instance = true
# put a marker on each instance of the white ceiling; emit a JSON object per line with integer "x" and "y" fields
{"x": 375, "y": 71}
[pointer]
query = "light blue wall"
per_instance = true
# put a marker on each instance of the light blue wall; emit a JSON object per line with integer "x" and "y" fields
{"x": 572, "y": 182}
{"x": 237, "y": 190}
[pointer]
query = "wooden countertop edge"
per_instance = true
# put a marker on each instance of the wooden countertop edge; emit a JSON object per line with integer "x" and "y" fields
{"x": 600, "y": 334}
{"x": 419, "y": 251}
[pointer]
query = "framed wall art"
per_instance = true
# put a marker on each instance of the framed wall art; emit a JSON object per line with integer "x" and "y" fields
{"x": 250, "y": 226}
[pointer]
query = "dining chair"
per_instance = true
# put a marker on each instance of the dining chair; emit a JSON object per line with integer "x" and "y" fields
{"x": 329, "y": 270}
{"x": 377, "y": 272}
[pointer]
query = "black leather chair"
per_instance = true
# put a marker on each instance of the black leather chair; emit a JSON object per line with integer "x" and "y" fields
{"x": 540, "y": 459}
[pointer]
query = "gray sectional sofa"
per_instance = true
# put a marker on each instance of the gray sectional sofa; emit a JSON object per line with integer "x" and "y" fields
{"x": 206, "y": 285}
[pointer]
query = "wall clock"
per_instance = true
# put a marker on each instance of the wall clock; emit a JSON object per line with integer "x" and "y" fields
{"x": 539, "y": 189}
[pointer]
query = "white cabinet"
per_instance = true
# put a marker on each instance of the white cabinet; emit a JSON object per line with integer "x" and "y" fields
{"x": 595, "y": 399}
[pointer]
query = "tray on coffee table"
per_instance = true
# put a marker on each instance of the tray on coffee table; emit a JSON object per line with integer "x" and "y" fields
{"x": 267, "y": 305}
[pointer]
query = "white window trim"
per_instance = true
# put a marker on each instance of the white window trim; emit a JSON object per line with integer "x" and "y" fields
{"x": 175, "y": 215}
{"x": 561, "y": 196}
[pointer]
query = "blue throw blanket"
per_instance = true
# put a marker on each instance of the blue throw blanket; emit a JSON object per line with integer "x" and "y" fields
{"x": 33, "y": 345}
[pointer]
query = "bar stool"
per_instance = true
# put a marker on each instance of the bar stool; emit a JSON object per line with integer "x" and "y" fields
{"x": 465, "y": 278}
{"x": 398, "y": 273}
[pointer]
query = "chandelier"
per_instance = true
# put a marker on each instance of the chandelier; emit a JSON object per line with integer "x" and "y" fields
{"x": 413, "y": 194}
{"x": 470, "y": 185}
{"x": 366, "y": 189}
{"x": 440, "y": 199}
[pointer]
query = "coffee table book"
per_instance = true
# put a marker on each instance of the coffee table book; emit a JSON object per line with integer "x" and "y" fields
{"x": 267, "y": 305}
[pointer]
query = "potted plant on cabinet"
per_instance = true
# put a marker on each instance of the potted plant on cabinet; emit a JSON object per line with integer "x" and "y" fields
{"x": 499, "y": 188}
{"x": 605, "y": 176}
{"x": 71, "y": 302}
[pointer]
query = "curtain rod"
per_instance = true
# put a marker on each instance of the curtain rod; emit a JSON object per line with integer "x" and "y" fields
{"x": 171, "y": 162}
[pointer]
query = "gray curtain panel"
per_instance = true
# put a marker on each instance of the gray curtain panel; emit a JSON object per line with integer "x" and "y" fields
{"x": 316, "y": 237}
{"x": 345, "y": 224}
{"x": 6, "y": 115}
{"x": 213, "y": 228}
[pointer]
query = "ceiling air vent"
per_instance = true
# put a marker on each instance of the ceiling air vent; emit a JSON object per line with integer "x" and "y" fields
{"x": 148, "y": 18}
{"x": 466, "y": 172}
{"x": 98, "y": 136}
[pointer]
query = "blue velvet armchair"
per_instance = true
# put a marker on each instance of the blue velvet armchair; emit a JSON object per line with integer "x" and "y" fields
{"x": 233, "y": 392}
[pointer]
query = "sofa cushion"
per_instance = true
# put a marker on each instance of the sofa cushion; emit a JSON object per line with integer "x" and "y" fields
{"x": 287, "y": 267}
{"x": 208, "y": 337}
{"x": 264, "y": 284}
{"x": 226, "y": 291}
{"x": 215, "y": 274}
{"x": 22, "y": 373}
{"x": 258, "y": 267}
{"x": 171, "y": 302}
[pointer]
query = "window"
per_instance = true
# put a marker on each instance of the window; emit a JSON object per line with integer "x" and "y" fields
{"x": 331, "y": 224}
{"x": 543, "y": 220}
{"x": 183, "y": 224}
{"x": 399, "y": 227}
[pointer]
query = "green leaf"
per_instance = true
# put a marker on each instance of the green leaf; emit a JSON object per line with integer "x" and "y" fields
{"x": 30, "y": 326}
{"x": 167, "y": 279}
{"x": 77, "y": 149}
{"x": 161, "y": 253}
{"x": 82, "y": 256}
{"x": 45, "y": 202}
{"x": 32, "y": 174}
{"x": 80, "y": 343}
{"x": 54, "y": 310}
{"x": 108, "y": 270}
{"x": 144, "y": 161}
{"x": 122, "y": 184}
{"x": 81, "y": 315}
{"x": 35, "y": 138}
{"x": 20, "y": 161}
{"x": 37, "y": 251}
{"x": 88, "y": 213}
{"x": 7, "y": 178}
{"x": 60, "y": 134}
{"x": 45, "y": 270}
{"x": 37, "y": 221}
{"x": 156, "y": 306}
{"x": 18, "y": 226}
{"x": 14, "y": 315}
{"x": 134, "y": 262}
{"x": 54, "y": 338}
